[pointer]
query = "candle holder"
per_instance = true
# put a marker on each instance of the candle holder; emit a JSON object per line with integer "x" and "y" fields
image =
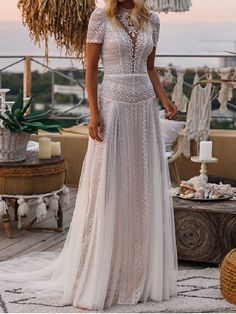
{"x": 203, "y": 169}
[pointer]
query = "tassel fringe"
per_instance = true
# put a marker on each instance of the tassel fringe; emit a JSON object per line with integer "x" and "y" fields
{"x": 65, "y": 198}
{"x": 53, "y": 204}
{"x": 41, "y": 209}
{"x": 3, "y": 207}
{"x": 23, "y": 208}
{"x": 41, "y": 202}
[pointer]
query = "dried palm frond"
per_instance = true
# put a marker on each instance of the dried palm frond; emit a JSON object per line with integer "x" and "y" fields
{"x": 64, "y": 20}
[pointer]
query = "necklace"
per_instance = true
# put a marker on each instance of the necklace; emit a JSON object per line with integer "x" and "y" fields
{"x": 124, "y": 17}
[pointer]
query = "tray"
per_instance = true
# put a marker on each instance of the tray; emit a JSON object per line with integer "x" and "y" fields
{"x": 224, "y": 198}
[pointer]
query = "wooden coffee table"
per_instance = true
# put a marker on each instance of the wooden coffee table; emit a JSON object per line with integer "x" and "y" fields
{"x": 205, "y": 230}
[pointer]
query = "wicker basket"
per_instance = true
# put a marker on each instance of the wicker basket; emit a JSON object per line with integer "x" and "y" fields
{"x": 13, "y": 146}
{"x": 228, "y": 277}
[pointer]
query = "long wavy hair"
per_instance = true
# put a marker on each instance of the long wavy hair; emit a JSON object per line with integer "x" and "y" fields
{"x": 111, "y": 8}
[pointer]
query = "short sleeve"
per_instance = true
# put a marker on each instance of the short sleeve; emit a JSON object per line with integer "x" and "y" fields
{"x": 155, "y": 21}
{"x": 96, "y": 26}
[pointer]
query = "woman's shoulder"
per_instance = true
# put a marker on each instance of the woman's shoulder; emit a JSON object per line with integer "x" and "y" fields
{"x": 154, "y": 18}
{"x": 98, "y": 13}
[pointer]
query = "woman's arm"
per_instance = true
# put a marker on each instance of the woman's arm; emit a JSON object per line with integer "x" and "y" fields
{"x": 93, "y": 51}
{"x": 170, "y": 108}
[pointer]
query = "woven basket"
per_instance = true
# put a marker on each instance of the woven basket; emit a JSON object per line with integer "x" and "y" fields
{"x": 13, "y": 146}
{"x": 228, "y": 277}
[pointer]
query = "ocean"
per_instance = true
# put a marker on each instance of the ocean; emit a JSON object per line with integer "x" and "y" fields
{"x": 175, "y": 38}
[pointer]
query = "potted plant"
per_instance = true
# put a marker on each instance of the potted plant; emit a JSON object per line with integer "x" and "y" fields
{"x": 17, "y": 125}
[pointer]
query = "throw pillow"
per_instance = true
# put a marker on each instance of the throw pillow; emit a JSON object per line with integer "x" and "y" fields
{"x": 170, "y": 129}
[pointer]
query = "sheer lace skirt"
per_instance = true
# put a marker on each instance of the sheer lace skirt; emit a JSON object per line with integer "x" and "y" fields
{"x": 121, "y": 246}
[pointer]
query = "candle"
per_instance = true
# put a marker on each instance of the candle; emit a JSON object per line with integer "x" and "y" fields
{"x": 44, "y": 148}
{"x": 205, "y": 150}
{"x": 55, "y": 148}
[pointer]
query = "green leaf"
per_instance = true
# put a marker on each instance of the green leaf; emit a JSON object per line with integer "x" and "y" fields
{"x": 53, "y": 130}
{"x": 9, "y": 126}
{"x": 37, "y": 115}
{"x": 68, "y": 123}
{"x": 10, "y": 117}
{"x": 18, "y": 115}
{"x": 34, "y": 124}
{"x": 53, "y": 126}
{"x": 4, "y": 119}
{"x": 51, "y": 121}
{"x": 31, "y": 130}
{"x": 18, "y": 102}
{"x": 63, "y": 123}
{"x": 59, "y": 123}
{"x": 24, "y": 127}
{"x": 27, "y": 105}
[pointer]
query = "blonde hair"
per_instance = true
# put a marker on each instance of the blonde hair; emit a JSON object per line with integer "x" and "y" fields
{"x": 111, "y": 8}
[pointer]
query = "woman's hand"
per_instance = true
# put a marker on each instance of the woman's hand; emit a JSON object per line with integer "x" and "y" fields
{"x": 170, "y": 108}
{"x": 96, "y": 127}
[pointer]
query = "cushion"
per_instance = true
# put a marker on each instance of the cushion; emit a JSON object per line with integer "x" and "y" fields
{"x": 170, "y": 129}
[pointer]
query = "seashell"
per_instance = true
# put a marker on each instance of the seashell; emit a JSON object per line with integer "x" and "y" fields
{"x": 196, "y": 187}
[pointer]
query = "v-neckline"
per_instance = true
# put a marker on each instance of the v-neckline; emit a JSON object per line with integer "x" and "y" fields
{"x": 125, "y": 11}
{"x": 132, "y": 44}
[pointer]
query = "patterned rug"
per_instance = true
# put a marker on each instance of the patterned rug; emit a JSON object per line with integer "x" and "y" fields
{"x": 198, "y": 291}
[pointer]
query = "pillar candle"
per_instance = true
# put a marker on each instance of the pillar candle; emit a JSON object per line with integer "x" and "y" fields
{"x": 205, "y": 152}
{"x": 55, "y": 148}
{"x": 44, "y": 148}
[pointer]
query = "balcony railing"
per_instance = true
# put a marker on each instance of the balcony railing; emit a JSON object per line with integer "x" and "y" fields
{"x": 76, "y": 86}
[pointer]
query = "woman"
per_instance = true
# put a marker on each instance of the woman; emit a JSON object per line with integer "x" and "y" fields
{"x": 120, "y": 248}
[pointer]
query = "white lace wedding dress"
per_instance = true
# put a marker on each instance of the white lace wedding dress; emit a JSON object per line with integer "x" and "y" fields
{"x": 121, "y": 245}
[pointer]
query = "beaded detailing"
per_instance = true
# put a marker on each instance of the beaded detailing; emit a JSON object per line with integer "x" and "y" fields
{"x": 124, "y": 18}
{"x": 132, "y": 31}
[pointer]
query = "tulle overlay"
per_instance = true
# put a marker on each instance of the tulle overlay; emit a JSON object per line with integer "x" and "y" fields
{"x": 121, "y": 245}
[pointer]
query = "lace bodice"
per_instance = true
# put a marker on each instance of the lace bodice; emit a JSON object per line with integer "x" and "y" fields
{"x": 122, "y": 52}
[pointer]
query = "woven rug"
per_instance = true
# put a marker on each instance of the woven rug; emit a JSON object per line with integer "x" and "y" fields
{"x": 198, "y": 291}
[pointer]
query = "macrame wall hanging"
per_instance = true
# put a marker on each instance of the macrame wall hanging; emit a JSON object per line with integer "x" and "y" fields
{"x": 226, "y": 91}
{"x": 178, "y": 97}
{"x": 198, "y": 114}
{"x": 65, "y": 21}
{"x": 169, "y": 5}
{"x": 198, "y": 106}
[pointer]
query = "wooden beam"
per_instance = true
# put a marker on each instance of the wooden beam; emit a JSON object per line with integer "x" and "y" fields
{"x": 27, "y": 77}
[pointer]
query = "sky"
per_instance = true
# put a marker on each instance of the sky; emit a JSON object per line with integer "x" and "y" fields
{"x": 201, "y": 11}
